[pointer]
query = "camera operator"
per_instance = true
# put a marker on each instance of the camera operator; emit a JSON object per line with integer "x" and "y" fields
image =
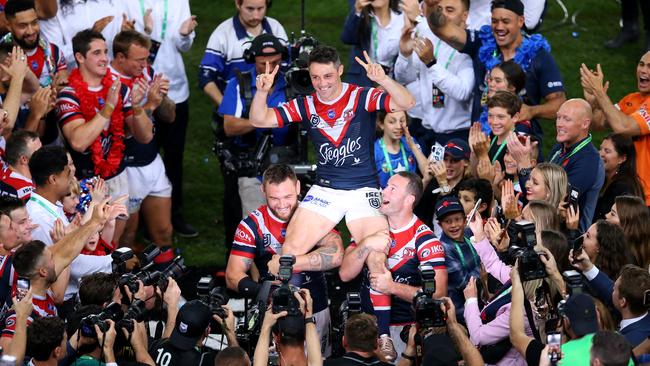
{"x": 246, "y": 143}
{"x": 98, "y": 289}
{"x": 413, "y": 244}
{"x": 440, "y": 348}
{"x": 184, "y": 346}
{"x": 360, "y": 342}
{"x": 260, "y": 237}
{"x": 290, "y": 333}
{"x": 626, "y": 295}
{"x": 42, "y": 265}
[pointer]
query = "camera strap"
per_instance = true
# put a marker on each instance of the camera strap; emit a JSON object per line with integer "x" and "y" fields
{"x": 244, "y": 79}
{"x": 531, "y": 319}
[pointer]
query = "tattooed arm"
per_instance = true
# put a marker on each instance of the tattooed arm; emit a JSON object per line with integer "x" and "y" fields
{"x": 236, "y": 270}
{"x": 327, "y": 255}
{"x": 452, "y": 34}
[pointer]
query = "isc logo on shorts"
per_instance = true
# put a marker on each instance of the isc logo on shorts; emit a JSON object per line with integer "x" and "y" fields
{"x": 374, "y": 199}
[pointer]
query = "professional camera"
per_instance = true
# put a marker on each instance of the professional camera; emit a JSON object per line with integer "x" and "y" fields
{"x": 283, "y": 298}
{"x": 522, "y": 247}
{"x": 148, "y": 277}
{"x": 212, "y": 295}
{"x": 573, "y": 281}
{"x": 136, "y": 312}
{"x": 87, "y": 326}
{"x": 120, "y": 256}
{"x": 297, "y": 77}
{"x": 428, "y": 311}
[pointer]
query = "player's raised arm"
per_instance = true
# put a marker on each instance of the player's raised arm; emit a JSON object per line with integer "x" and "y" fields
{"x": 260, "y": 115}
{"x": 400, "y": 98}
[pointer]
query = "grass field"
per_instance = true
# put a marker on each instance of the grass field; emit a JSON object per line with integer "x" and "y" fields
{"x": 597, "y": 20}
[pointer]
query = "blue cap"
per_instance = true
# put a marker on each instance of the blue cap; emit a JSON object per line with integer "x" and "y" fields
{"x": 448, "y": 205}
{"x": 581, "y": 311}
{"x": 457, "y": 149}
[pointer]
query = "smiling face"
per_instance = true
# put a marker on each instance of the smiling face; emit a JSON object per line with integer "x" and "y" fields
{"x": 392, "y": 125}
{"x": 95, "y": 61}
{"x": 501, "y": 122}
{"x": 612, "y": 216}
{"x": 510, "y": 164}
{"x": 282, "y": 198}
{"x": 22, "y": 224}
{"x": 610, "y": 157}
{"x": 25, "y": 28}
{"x": 498, "y": 81}
{"x": 455, "y": 168}
{"x": 326, "y": 79}
{"x": 535, "y": 187}
{"x": 506, "y": 26}
{"x": 590, "y": 243}
{"x": 453, "y": 225}
{"x": 643, "y": 74}
{"x": 571, "y": 124}
{"x": 396, "y": 197}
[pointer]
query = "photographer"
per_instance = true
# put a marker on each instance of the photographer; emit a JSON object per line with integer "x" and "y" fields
{"x": 46, "y": 341}
{"x": 184, "y": 346}
{"x": 290, "y": 333}
{"x": 626, "y": 295}
{"x": 360, "y": 343}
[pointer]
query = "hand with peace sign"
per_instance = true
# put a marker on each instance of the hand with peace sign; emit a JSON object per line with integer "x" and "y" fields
{"x": 264, "y": 82}
{"x": 374, "y": 71}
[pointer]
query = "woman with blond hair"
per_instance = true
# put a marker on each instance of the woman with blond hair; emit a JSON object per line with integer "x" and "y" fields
{"x": 548, "y": 182}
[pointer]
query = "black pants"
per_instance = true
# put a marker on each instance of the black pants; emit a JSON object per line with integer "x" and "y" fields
{"x": 232, "y": 213}
{"x": 630, "y": 11}
{"x": 171, "y": 138}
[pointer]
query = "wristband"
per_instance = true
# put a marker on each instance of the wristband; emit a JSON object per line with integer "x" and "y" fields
{"x": 248, "y": 287}
{"x": 311, "y": 319}
{"x": 431, "y": 63}
{"x": 410, "y": 358}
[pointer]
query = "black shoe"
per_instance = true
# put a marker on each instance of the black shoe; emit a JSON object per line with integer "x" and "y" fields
{"x": 183, "y": 229}
{"x": 623, "y": 37}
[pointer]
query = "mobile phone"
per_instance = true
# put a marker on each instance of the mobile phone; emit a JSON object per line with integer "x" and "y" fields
{"x": 554, "y": 342}
{"x": 573, "y": 196}
{"x": 470, "y": 217}
{"x": 437, "y": 153}
{"x": 577, "y": 247}
{"x": 22, "y": 286}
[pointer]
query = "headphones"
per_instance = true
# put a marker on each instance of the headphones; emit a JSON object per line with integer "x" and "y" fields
{"x": 249, "y": 55}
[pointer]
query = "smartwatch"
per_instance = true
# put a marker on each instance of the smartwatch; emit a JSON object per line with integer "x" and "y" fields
{"x": 311, "y": 319}
{"x": 419, "y": 19}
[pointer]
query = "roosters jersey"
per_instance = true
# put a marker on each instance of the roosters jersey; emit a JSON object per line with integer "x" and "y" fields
{"x": 15, "y": 184}
{"x": 411, "y": 246}
{"x": 43, "y": 66}
{"x": 343, "y": 133}
{"x": 43, "y": 307}
{"x": 259, "y": 237}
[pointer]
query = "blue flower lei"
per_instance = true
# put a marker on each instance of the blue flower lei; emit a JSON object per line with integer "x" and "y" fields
{"x": 490, "y": 56}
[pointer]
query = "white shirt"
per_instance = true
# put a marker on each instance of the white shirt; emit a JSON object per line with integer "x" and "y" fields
{"x": 386, "y": 39}
{"x": 626, "y": 322}
{"x": 44, "y": 213}
{"x": 69, "y": 20}
{"x": 169, "y": 60}
{"x": 453, "y": 74}
{"x": 84, "y": 265}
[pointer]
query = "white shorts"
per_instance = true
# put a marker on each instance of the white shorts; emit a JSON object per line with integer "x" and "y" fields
{"x": 323, "y": 322}
{"x": 148, "y": 180}
{"x": 398, "y": 343}
{"x": 334, "y": 204}
{"x": 118, "y": 185}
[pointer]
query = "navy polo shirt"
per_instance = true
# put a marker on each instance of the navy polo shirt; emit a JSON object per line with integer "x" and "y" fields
{"x": 585, "y": 171}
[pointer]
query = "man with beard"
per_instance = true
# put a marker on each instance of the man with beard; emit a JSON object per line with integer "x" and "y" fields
{"x": 629, "y": 116}
{"x": 503, "y": 41}
{"x": 412, "y": 245}
{"x": 259, "y": 240}
{"x": 96, "y": 113}
{"x": 223, "y": 57}
{"x": 42, "y": 265}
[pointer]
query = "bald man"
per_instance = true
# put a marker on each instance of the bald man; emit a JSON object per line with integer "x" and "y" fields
{"x": 575, "y": 152}
{"x": 630, "y": 116}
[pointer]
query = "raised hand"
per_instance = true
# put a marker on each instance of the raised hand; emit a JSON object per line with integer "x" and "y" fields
{"x": 478, "y": 141}
{"x": 424, "y": 49}
{"x": 114, "y": 93}
{"x": 374, "y": 71}
{"x": 40, "y": 103}
{"x": 439, "y": 171}
{"x": 188, "y": 26}
{"x": 485, "y": 169}
{"x": 592, "y": 81}
{"x": 406, "y": 41}
{"x": 147, "y": 20}
{"x": 17, "y": 67}
{"x": 360, "y": 4}
{"x": 102, "y": 23}
{"x": 470, "y": 290}
{"x": 138, "y": 92}
{"x": 411, "y": 8}
{"x": 509, "y": 201}
{"x": 520, "y": 152}
{"x": 127, "y": 25}
{"x": 264, "y": 82}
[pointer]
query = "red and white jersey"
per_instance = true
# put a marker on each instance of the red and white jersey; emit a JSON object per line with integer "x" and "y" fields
{"x": 43, "y": 307}
{"x": 15, "y": 184}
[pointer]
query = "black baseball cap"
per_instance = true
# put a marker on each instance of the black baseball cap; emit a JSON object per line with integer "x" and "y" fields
{"x": 448, "y": 205}
{"x": 439, "y": 350}
{"x": 580, "y": 309}
{"x": 457, "y": 149}
{"x": 264, "y": 41}
{"x": 515, "y": 6}
{"x": 192, "y": 320}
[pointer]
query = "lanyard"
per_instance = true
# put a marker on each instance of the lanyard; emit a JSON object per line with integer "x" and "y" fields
{"x": 163, "y": 30}
{"x": 573, "y": 152}
{"x": 501, "y": 147}
{"x": 435, "y": 54}
{"x": 387, "y": 157}
{"x": 375, "y": 40}
{"x": 460, "y": 252}
{"x": 42, "y": 204}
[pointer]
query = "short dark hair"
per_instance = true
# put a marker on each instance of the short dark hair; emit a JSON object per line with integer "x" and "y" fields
{"x": 506, "y": 100}
{"x": 17, "y": 145}
{"x": 13, "y": 7}
{"x": 74, "y": 322}
{"x": 611, "y": 348}
{"x": 9, "y": 204}
{"x": 278, "y": 173}
{"x": 632, "y": 285}
{"x": 361, "y": 333}
{"x": 231, "y": 356}
{"x": 514, "y": 74}
{"x": 47, "y": 161}
{"x": 97, "y": 288}
{"x": 27, "y": 257}
{"x": 123, "y": 41}
{"x": 414, "y": 185}
{"x": 323, "y": 54}
{"x": 81, "y": 41}
{"x": 44, "y": 334}
{"x": 482, "y": 189}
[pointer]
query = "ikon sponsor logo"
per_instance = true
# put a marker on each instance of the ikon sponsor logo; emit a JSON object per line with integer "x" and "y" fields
{"x": 243, "y": 235}
{"x": 329, "y": 154}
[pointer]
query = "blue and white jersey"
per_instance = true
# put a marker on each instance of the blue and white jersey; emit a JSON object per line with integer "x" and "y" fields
{"x": 342, "y": 132}
{"x": 225, "y": 50}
